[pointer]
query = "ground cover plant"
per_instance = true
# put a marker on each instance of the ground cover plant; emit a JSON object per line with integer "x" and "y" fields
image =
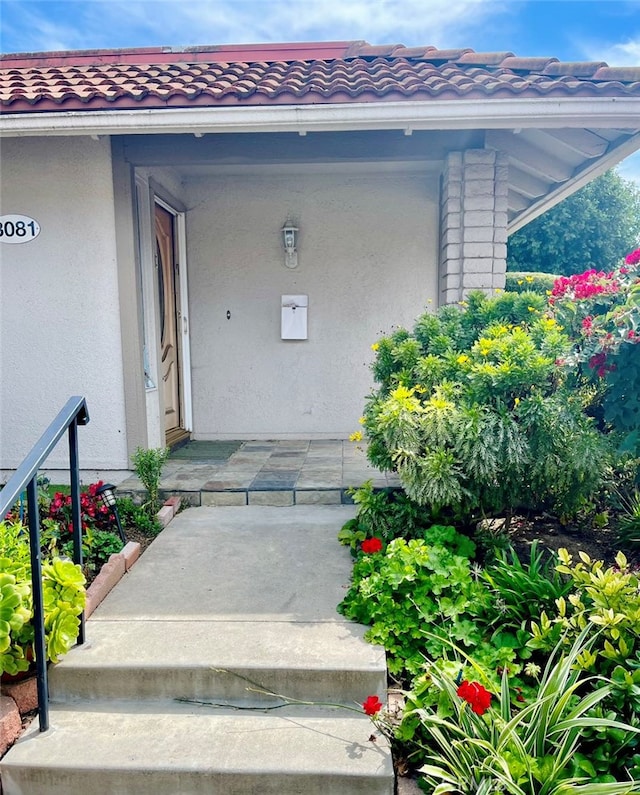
{"x": 63, "y": 600}
{"x": 63, "y": 582}
{"x": 521, "y": 667}
{"x": 100, "y": 536}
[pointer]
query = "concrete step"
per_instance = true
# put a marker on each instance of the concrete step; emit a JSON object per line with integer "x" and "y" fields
{"x": 130, "y": 748}
{"x": 321, "y": 661}
{"x": 222, "y": 594}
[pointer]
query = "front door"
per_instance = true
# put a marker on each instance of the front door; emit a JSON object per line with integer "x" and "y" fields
{"x": 169, "y": 316}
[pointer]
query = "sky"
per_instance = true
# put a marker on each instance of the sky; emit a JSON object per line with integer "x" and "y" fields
{"x": 571, "y": 30}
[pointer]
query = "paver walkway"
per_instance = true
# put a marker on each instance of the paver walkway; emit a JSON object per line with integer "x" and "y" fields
{"x": 223, "y": 598}
{"x": 291, "y": 472}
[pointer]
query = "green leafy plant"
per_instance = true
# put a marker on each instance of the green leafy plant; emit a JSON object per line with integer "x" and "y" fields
{"x": 615, "y": 753}
{"x": 523, "y": 590}
{"x": 535, "y": 749}
{"x": 606, "y": 597}
{"x": 15, "y": 614}
{"x": 476, "y": 417}
{"x": 523, "y": 282}
{"x": 137, "y": 517}
{"x": 417, "y": 586}
{"x": 629, "y": 521}
{"x": 63, "y": 601}
{"x": 383, "y": 514}
{"x": 148, "y": 466}
{"x": 97, "y": 549}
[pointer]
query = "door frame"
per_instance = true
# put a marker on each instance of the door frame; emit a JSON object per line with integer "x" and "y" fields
{"x": 149, "y": 193}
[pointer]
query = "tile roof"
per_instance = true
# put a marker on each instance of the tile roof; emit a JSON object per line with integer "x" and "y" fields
{"x": 292, "y": 74}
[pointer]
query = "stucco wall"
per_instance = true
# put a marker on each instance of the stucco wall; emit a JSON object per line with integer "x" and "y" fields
{"x": 367, "y": 261}
{"x": 59, "y": 320}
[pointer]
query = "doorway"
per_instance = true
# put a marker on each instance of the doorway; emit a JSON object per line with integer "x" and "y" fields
{"x": 172, "y": 323}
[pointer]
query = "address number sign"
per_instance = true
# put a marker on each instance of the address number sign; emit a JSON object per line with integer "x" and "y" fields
{"x": 18, "y": 229}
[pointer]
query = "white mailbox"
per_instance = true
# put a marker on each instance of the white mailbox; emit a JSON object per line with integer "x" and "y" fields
{"x": 294, "y": 317}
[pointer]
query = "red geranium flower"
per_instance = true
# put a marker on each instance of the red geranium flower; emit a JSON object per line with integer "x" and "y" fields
{"x": 370, "y": 545}
{"x": 372, "y": 705}
{"x": 476, "y": 695}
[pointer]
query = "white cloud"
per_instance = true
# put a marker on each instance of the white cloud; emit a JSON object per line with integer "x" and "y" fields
{"x": 89, "y": 24}
{"x": 630, "y": 168}
{"x": 623, "y": 53}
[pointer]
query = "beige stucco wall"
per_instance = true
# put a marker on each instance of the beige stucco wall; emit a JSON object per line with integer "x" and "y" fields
{"x": 59, "y": 319}
{"x": 367, "y": 261}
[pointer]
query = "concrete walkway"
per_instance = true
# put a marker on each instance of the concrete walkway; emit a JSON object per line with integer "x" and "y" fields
{"x": 292, "y": 472}
{"x": 228, "y": 606}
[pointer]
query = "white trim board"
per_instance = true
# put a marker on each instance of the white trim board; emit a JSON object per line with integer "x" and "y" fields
{"x": 461, "y": 114}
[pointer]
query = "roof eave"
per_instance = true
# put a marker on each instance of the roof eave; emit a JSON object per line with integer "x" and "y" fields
{"x": 583, "y": 177}
{"x": 547, "y": 112}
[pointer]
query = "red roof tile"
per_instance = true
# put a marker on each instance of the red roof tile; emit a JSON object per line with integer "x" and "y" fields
{"x": 322, "y": 72}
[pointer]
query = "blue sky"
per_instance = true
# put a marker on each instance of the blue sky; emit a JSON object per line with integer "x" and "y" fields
{"x": 606, "y": 30}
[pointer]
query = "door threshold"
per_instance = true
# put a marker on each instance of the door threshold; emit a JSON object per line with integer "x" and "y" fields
{"x": 176, "y": 437}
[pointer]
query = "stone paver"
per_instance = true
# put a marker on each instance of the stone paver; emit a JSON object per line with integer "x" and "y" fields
{"x": 284, "y": 472}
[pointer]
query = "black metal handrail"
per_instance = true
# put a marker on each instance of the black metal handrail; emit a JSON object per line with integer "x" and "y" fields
{"x": 74, "y": 413}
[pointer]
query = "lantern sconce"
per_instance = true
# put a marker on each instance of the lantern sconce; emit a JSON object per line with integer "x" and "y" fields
{"x": 290, "y": 242}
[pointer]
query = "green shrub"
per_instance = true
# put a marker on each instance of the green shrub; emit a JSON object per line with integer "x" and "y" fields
{"x": 98, "y": 547}
{"x": 607, "y": 599}
{"x": 523, "y": 590}
{"x": 629, "y": 522}
{"x": 601, "y": 311}
{"x": 522, "y": 282}
{"x": 475, "y": 415}
{"x": 148, "y": 465}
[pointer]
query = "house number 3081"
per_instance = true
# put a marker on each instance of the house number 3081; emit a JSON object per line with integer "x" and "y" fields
{"x": 18, "y": 228}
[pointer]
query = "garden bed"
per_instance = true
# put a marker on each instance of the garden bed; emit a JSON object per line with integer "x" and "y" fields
{"x": 600, "y": 543}
{"x": 518, "y": 643}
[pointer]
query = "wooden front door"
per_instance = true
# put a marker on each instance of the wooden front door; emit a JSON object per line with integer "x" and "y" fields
{"x": 169, "y": 316}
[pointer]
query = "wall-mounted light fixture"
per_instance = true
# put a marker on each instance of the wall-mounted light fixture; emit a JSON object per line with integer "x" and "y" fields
{"x": 290, "y": 242}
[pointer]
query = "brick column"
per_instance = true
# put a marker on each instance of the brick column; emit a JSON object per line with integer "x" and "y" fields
{"x": 473, "y": 223}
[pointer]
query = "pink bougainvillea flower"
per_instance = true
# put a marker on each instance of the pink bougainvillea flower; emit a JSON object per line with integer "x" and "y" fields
{"x": 476, "y": 695}
{"x": 597, "y": 360}
{"x": 372, "y": 705}
{"x": 633, "y": 258}
{"x": 584, "y": 285}
{"x": 370, "y": 545}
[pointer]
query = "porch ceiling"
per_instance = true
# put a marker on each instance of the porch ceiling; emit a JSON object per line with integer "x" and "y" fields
{"x": 545, "y": 165}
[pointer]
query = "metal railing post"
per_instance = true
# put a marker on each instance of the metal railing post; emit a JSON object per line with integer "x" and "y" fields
{"x": 76, "y": 511}
{"x": 39, "y": 640}
{"x": 73, "y": 413}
